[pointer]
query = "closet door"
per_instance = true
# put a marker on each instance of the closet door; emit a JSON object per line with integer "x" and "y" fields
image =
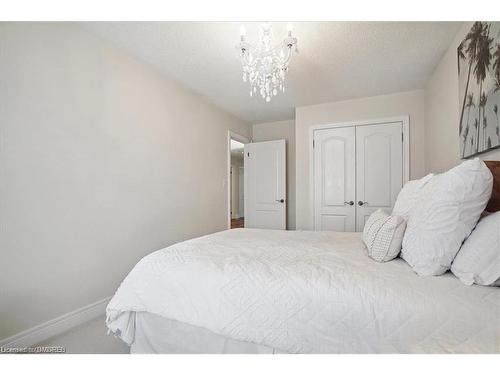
{"x": 379, "y": 161}
{"x": 334, "y": 179}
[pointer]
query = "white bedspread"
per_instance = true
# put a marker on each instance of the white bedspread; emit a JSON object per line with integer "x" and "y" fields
{"x": 306, "y": 292}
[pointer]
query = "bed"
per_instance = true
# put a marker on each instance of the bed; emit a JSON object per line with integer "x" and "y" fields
{"x": 262, "y": 291}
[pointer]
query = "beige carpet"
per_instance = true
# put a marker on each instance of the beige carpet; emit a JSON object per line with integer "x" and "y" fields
{"x": 88, "y": 338}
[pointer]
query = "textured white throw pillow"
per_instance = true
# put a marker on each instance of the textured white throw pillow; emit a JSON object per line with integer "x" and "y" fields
{"x": 409, "y": 195}
{"x": 383, "y": 235}
{"x": 445, "y": 216}
{"x": 478, "y": 260}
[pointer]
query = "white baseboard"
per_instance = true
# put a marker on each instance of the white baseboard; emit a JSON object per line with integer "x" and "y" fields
{"x": 56, "y": 326}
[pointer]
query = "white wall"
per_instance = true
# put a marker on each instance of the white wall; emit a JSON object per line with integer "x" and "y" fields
{"x": 442, "y": 113}
{"x": 272, "y": 131}
{"x": 101, "y": 162}
{"x": 405, "y": 103}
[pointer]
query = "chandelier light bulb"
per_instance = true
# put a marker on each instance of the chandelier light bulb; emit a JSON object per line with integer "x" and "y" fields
{"x": 289, "y": 28}
{"x": 243, "y": 31}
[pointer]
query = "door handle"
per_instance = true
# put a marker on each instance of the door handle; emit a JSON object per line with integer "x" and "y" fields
{"x": 280, "y": 200}
{"x": 350, "y": 203}
{"x": 361, "y": 203}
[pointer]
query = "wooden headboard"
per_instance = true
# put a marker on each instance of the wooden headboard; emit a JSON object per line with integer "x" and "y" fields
{"x": 494, "y": 203}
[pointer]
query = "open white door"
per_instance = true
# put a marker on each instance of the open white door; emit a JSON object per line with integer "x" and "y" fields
{"x": 265, "y": 185}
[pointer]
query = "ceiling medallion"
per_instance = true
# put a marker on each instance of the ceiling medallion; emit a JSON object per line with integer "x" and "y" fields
{"x": 265, "y": 65}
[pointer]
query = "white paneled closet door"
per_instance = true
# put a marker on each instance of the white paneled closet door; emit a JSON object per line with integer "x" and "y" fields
{"x": 379, "y": 168}
{"x": 357, "y": 169}
{"x": 335, "y": 180}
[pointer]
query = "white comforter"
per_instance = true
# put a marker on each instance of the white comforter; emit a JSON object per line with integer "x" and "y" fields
{"x": 306, "y": 292}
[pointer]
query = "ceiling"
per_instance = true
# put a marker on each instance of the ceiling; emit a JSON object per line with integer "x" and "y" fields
{"x": 336, "y": 60}
{"x": 237, "y": 149}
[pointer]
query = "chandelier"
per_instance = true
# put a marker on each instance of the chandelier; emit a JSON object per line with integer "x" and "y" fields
{"x": 265, "y": 65}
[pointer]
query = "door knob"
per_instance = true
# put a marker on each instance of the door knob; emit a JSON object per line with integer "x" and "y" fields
{"x": 280, "y": 200}
{"x": 361, "y": 203}
{"x": 350, "y": 203}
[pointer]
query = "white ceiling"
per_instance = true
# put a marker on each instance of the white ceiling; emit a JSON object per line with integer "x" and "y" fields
{"x": 336, "y": 60}
{"x": 237, "y": 146}
{"x": 237, "y": 149}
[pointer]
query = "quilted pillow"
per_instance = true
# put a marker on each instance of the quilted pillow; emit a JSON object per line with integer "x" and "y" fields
{"x": 409, "y": 195}
{"x": 478, "y": 260}
{"x": 383, "y": 234}
{"x": 445, "y": 216}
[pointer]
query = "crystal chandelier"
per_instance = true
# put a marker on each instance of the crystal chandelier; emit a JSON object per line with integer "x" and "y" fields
{"x": 265, "y": 65}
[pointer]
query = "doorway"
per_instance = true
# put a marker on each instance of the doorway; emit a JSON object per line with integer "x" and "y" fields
{"x": 236, "y": 186}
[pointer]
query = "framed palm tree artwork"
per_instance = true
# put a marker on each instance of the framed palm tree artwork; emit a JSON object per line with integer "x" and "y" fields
{"x": 479, "y": 89}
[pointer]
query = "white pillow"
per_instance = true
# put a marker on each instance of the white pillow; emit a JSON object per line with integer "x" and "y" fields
{"x": 478, "y": 260}
{"x": 445, "y": 216}
{"x": 409, "y": 195}
{"x": 383, "y": 234}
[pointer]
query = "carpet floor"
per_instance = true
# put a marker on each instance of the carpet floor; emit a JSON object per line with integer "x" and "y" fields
{"x": 88, "y": 338}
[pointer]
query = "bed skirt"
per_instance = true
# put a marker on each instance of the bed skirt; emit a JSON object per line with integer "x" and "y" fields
{"x": 155, "y": 334}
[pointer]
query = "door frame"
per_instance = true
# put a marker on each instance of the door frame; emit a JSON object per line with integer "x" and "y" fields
{"x": 404, "y": 119}
{"x": 244, "y": 140}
